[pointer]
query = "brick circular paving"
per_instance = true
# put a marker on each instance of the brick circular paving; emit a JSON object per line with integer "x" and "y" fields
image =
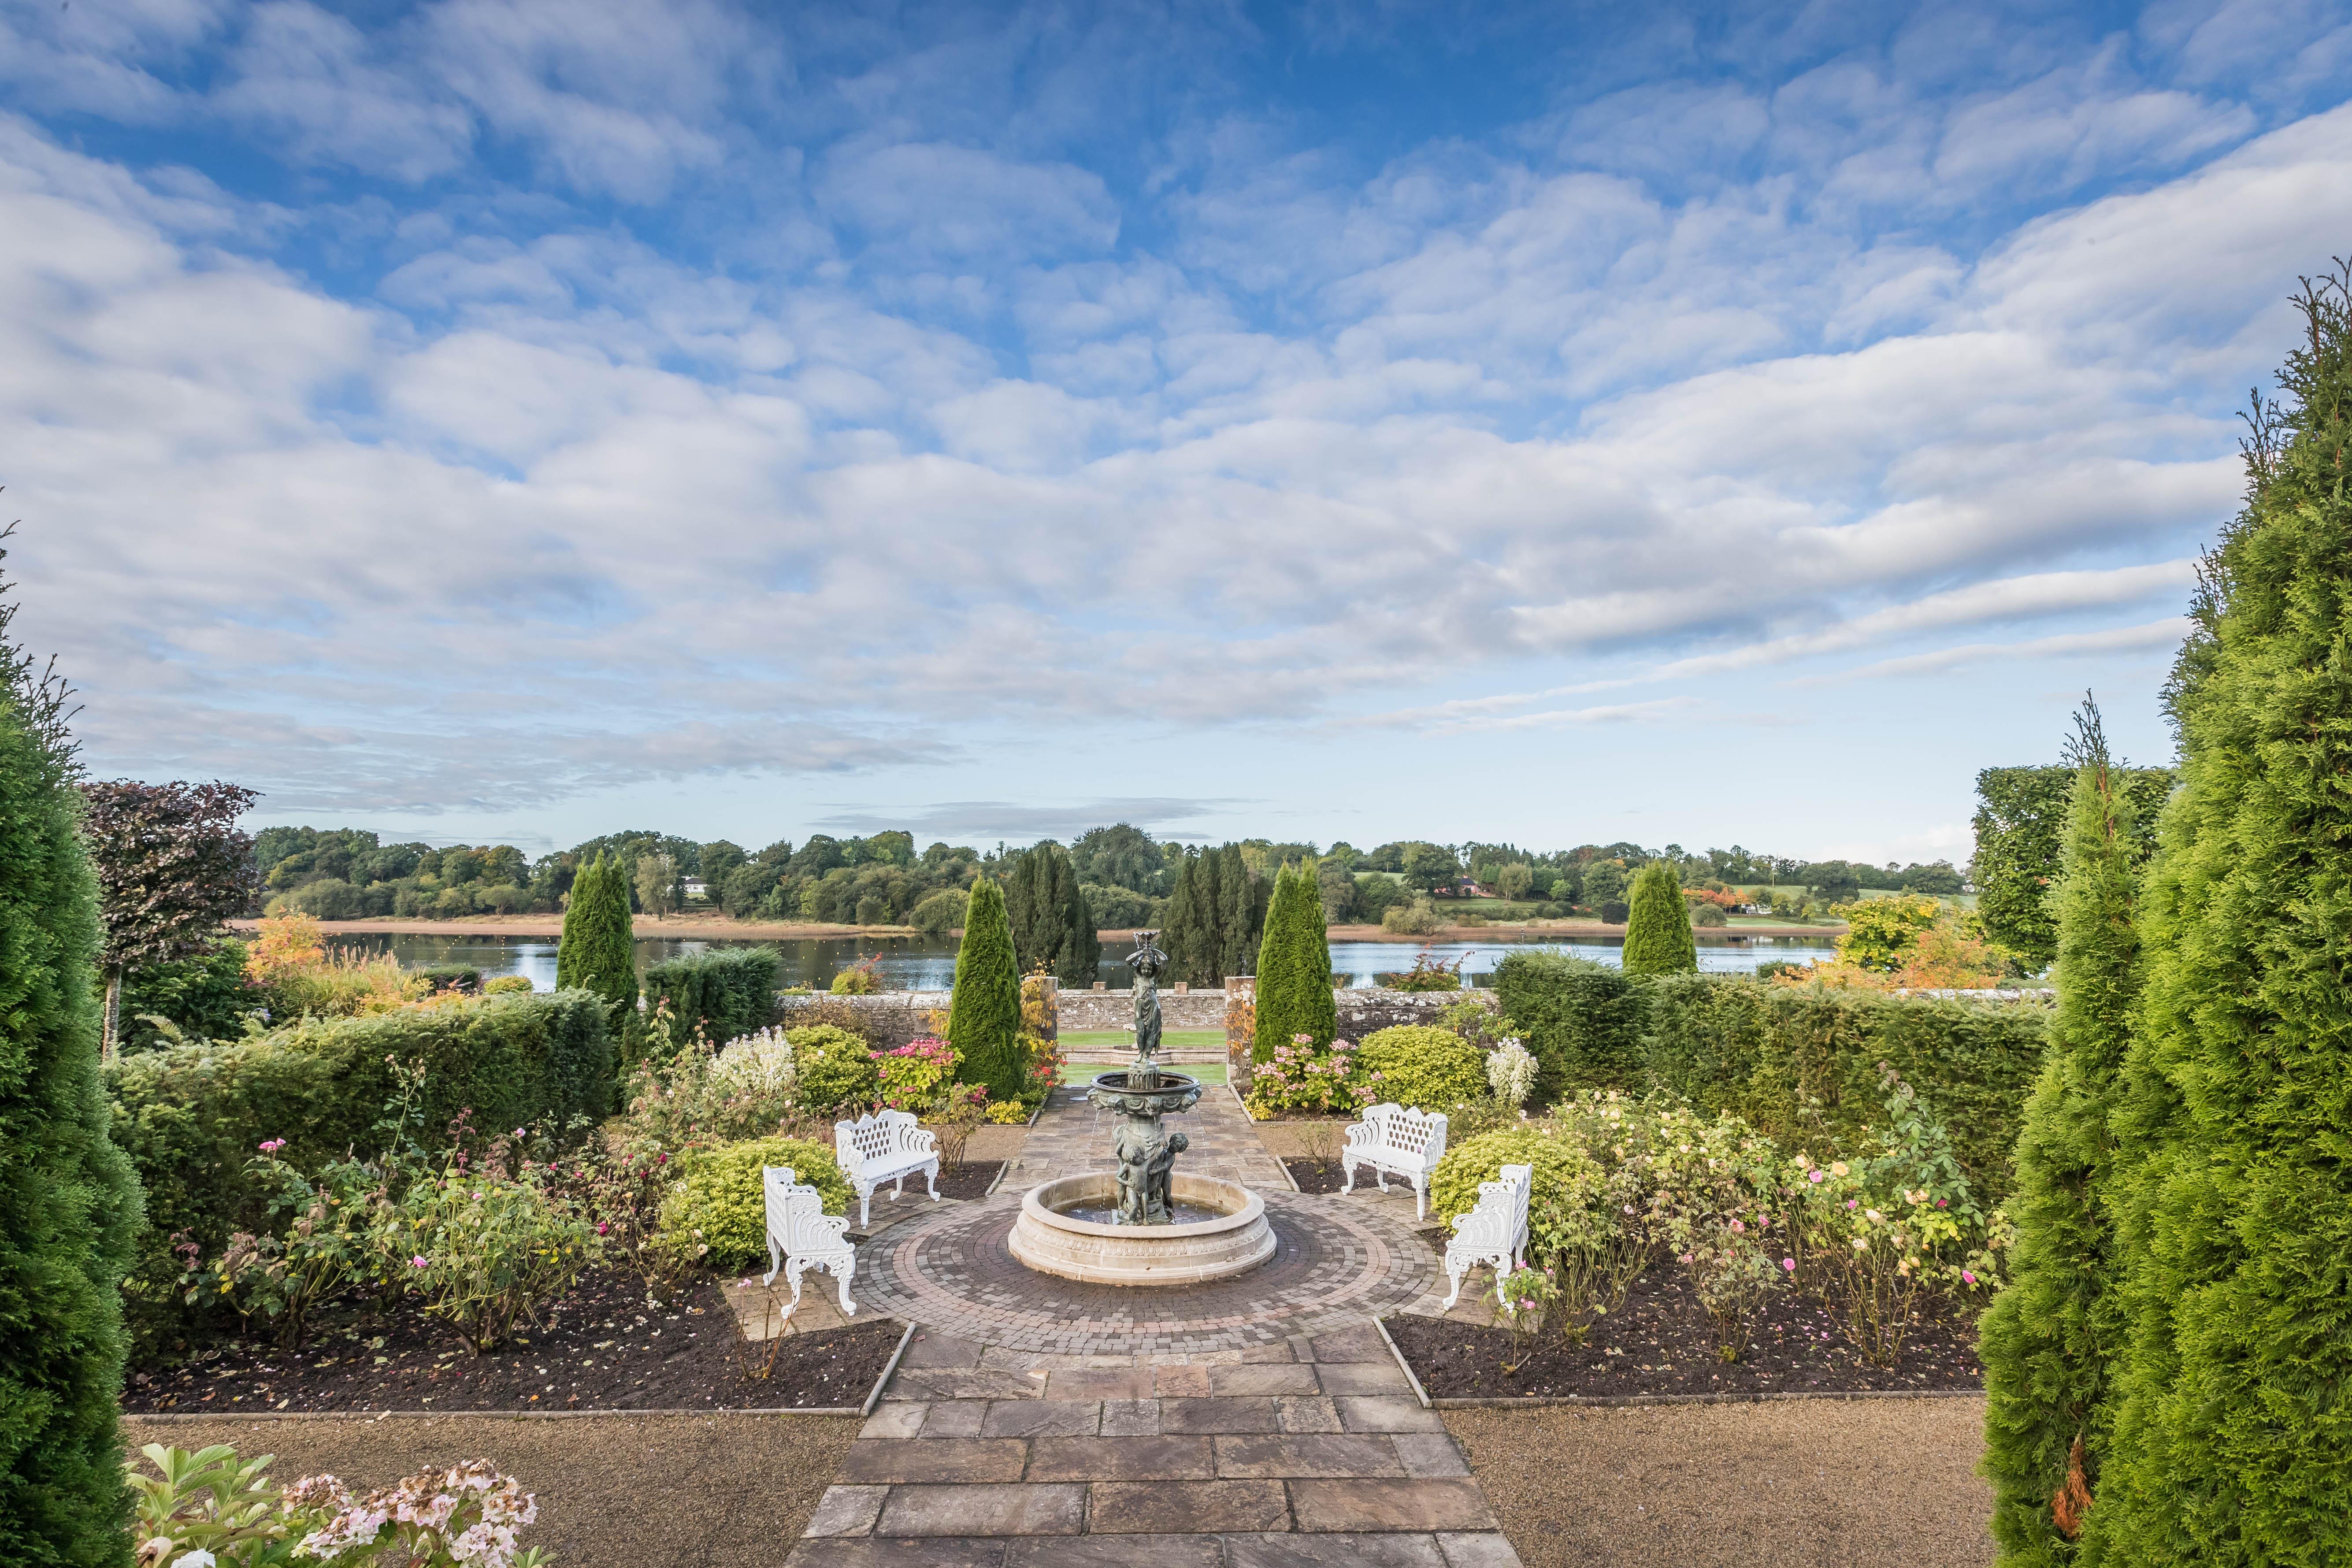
{"x": 1334, "y": 1262}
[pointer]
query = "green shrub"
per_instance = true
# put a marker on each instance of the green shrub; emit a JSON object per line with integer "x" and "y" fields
{"x": 204, "y": 997}
{"x": 725, "y": 991}
{"x": 1564, "y": 1193}
{"x": 191, "y": 1116}
{"x": 834, "y": 1070}
{"x": 506, "y": 982}
{"x": 68, "y": 1203}
{"x": 716, "y": 1211}
{"x": 1422, "y": 1066}
{"x": 940, "y": 912}
{"x": 1582, "y": 1020}
{"x": 495, "y": 1251}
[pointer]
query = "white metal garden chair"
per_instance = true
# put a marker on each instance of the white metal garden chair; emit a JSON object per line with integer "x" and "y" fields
{"x": 876, "y": 1149}
{"x": 802, "y": 1236}
{"x": 1495, "y": 1231}
{"x": 1396, "y": 1141}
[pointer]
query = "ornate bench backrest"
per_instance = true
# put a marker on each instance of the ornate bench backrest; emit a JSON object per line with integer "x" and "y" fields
{"x": 1415, "y": 1133}
{"x": 871, "y": 1137}
{"x": 791, "y": 1205}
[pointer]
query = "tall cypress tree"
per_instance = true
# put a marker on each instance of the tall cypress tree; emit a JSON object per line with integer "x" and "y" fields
{"x": 1190, "y": 938}
{"x": 2233, "y": 1441}
{"x": 2046, "y": 1340}
{"x": 985, "y": 1012}
{"x": 1082, "y": 947}
{"x": 1658, "y": 939}
{"x": 1294, "y": 969}
{"x": 1241, "y": 901}
{"x": 69, "y": 1202}
{"x": 598, "y": 950}
{"x": 1049, "y": 918}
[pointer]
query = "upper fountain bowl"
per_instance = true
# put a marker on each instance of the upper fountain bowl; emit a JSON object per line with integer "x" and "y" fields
{"x": 1176, "y": 1092}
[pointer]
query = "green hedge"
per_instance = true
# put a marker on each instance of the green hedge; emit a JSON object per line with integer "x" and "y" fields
{"x": 190, "y": 1117}
{"x": 1582, "y": 1020}
{"x": 729, "y": 991}
{"x": 1790, "y": 1061}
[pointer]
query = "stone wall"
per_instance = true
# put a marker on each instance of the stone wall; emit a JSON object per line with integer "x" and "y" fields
{"x": 894, "y": 1017}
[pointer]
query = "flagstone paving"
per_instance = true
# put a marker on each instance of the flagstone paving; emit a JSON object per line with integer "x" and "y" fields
{"x": 1255, "y": 1423}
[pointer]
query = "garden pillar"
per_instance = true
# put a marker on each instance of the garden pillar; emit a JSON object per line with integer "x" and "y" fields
{"x": 1241, "y": 1030}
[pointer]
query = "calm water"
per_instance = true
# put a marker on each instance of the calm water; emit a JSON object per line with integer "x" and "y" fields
{"x": 928, "y": 963}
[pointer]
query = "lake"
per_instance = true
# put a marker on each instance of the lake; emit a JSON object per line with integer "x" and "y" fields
{"x": 928, "y": 963}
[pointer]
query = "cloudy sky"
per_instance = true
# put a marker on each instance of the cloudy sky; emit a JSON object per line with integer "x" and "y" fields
{"x": 489, "y": 420}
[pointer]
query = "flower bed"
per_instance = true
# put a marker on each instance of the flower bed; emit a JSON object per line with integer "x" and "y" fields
{"x": 1662, "y": 1341}
{"x": 601, "y": 1346}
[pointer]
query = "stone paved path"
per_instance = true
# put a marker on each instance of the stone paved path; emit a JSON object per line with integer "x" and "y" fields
{"x": 1287, "y": 1436}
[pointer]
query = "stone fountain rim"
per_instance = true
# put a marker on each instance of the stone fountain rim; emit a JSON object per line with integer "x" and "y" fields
{"x": 1252, "y": 1208}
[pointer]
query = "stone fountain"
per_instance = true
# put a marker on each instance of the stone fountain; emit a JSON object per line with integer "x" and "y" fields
{"x": 1141, "y": 1223}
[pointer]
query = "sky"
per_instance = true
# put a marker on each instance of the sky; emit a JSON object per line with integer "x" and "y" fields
{"x": 514, "y": 421}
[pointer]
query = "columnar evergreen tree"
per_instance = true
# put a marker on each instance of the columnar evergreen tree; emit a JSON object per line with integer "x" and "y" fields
{"x": 2233, "y": 1441}
{"x": 597, "y": 952}
{"x": 2047, "y": 1339}
{"x": 1049, "y": 917}
{"x": 1241, "y": 901}
{"x": 985, "y": 1012}
{"x": 1658, "y": 938}
{"x": 1294, "y": 969}
{"x": 1189, "y": 935}
{"x": 69, "y": 1202}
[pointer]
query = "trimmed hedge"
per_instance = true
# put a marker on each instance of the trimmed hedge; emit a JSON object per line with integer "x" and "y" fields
{"x": 729, "y": 991}
{"x": 191, "y": 1115}
{"x": 1791, "y": 1062}
{"x": 1583, "y": 1021}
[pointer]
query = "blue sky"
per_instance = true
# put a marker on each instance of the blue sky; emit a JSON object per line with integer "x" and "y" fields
{"x": 506, "y": 421}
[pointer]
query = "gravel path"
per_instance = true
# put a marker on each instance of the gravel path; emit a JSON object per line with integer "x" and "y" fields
{"x": 646, "y": 1491}
{"x": 1881, "y": 1483}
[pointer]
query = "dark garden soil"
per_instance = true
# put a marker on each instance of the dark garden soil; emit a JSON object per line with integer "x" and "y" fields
{"x": 969, "y": 1179}
{"x": 1659, "y": 1342}
{"x": 1317, "y": 1176}
{"x": 603, "y": 1347}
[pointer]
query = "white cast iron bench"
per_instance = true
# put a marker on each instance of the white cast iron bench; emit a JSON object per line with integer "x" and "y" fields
{"x": 879, "y": 1148}
{"x": 802, "y": 1236}
{"x": 1396, "y": 1141}
{"x": 1495, "y": 1232}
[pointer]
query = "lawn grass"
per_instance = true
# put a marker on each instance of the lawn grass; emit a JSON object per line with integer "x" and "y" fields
{"x": 1121, "y": 1039}
{"x": 1084, "y": 1072}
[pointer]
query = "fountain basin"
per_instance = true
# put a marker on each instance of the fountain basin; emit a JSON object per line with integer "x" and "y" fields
{"x": 1053, "y": 1241}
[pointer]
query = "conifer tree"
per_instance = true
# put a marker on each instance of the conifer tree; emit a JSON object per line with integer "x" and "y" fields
{"x": 2046, "y": 1338}
{"x": 598, "y": 950}
{"x": 1048, "y": 916}
{"x": 69, "y": 1204}
{"x": 1082, "y": 947}
{"x": 1658, "y": 938}
{"x": 2233, "y": 1439}
{"x": 1241, "y": 901}
{"x": 984, "y": 1011}
{"x": 1294, "y": 969}
{"x": 1190, "y": 934}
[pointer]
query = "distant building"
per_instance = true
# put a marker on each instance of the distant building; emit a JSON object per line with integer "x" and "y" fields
{"x": 697, "y": 891}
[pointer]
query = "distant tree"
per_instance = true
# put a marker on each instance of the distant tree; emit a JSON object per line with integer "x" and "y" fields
{"x": 598, "y": 949}
{"x": 1335, "y": 889}
{"x": 2020, "y": 820}
{"x": 1241, "y": 901}
{"x": 171, "y": 869}
{"x": 984, "y": 1010}
{"x": 1658, "y": 938}
{"x": 1294, "y": 968}
{"x": 657, "y": 885}
{"x": 69, "y": 1204}
{"x": 1429, "y": 867}
{"x": 1515, "y": 880}
{"x": 940, "y": 912}
{"x": 719, "y": 860}
{"x": 1121, "y": 856}
{"x": 1604, "y": 883}
{"x": 1191, "y": 936}
{"x": 1046, "y": 910}
{"x": 1118, "y": 908}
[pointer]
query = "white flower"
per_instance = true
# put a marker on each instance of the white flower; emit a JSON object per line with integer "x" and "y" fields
{"x": 196, "y": 1559}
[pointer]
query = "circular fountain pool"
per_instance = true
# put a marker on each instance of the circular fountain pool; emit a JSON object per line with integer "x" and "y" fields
{"x": 1053, "y": 1235}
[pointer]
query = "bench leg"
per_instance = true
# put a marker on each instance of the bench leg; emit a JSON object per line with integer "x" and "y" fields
{"x": 931, "y": 1176}
{"x": 792, "y": 1267}
{"x": 898, "y": 1189}
{"x": 775, "y": 1261}
{"x": 1454, "y": 1273}
{"x": 1348, "y": 1170}
{"x": 841, "y": 1273}
{"x": 1421, "y": 1197}
{"x": 865, "y": 1209}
